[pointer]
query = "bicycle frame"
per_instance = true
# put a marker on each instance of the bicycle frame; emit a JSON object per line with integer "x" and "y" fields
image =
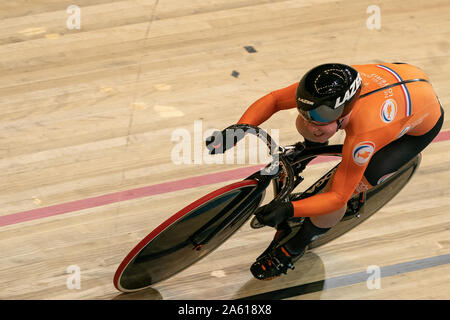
{"x": 202, "y": 226}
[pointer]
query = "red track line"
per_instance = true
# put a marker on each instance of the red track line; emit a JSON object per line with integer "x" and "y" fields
{"x": 152, "y": 190}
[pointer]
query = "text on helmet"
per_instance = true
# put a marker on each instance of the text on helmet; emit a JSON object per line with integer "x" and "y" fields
{"x": 349, "y": 93}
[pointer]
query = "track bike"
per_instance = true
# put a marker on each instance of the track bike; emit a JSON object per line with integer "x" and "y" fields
{"x": 202, "y": 226}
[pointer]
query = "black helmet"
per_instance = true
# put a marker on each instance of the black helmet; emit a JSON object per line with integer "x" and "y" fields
{"x": 328, "y": 92}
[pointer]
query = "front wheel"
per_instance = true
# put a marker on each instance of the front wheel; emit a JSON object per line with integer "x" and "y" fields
{"x": 188, "y": 235}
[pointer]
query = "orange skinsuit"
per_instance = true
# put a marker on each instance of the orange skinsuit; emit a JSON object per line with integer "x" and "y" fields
{"x": 375, "y": 121}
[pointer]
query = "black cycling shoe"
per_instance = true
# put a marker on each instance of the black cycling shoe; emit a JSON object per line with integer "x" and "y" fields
{"x": 274, "y": 263}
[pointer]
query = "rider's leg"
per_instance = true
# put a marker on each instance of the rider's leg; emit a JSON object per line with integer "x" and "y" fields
{"x": 399, "y": 152}
{"x": 278, "y": 258}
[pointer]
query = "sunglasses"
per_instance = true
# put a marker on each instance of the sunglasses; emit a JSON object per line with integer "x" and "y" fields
{"x": 314, "y": 122}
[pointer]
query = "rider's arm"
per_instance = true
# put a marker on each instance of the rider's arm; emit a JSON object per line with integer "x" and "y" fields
{"x": 345, "y": 181}
{"x": 265, "y": 107}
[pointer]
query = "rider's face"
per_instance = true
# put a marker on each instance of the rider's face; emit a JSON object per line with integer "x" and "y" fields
{"x": 316, "y": 132}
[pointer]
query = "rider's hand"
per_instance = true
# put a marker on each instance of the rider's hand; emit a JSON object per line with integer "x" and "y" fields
{"x": 223, "y": 140}
{"x": 274, "y": 213}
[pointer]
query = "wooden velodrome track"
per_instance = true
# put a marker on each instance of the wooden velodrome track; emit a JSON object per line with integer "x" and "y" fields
{"x": 86, "y": 123}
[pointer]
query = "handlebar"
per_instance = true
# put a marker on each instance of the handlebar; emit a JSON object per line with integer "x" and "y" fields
{"x": 258, "y": 132}
{"x": 278, "y": 154}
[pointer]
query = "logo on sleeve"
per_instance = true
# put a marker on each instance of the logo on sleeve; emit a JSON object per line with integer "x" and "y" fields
{"x": 363, "y": 151}
{"x": 388, "y": 110}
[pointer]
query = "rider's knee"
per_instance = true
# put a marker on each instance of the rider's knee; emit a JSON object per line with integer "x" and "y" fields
{"x": 330, "y": 219}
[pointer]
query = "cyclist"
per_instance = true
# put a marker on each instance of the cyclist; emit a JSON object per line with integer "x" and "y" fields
{"x": 389, "y": 112}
